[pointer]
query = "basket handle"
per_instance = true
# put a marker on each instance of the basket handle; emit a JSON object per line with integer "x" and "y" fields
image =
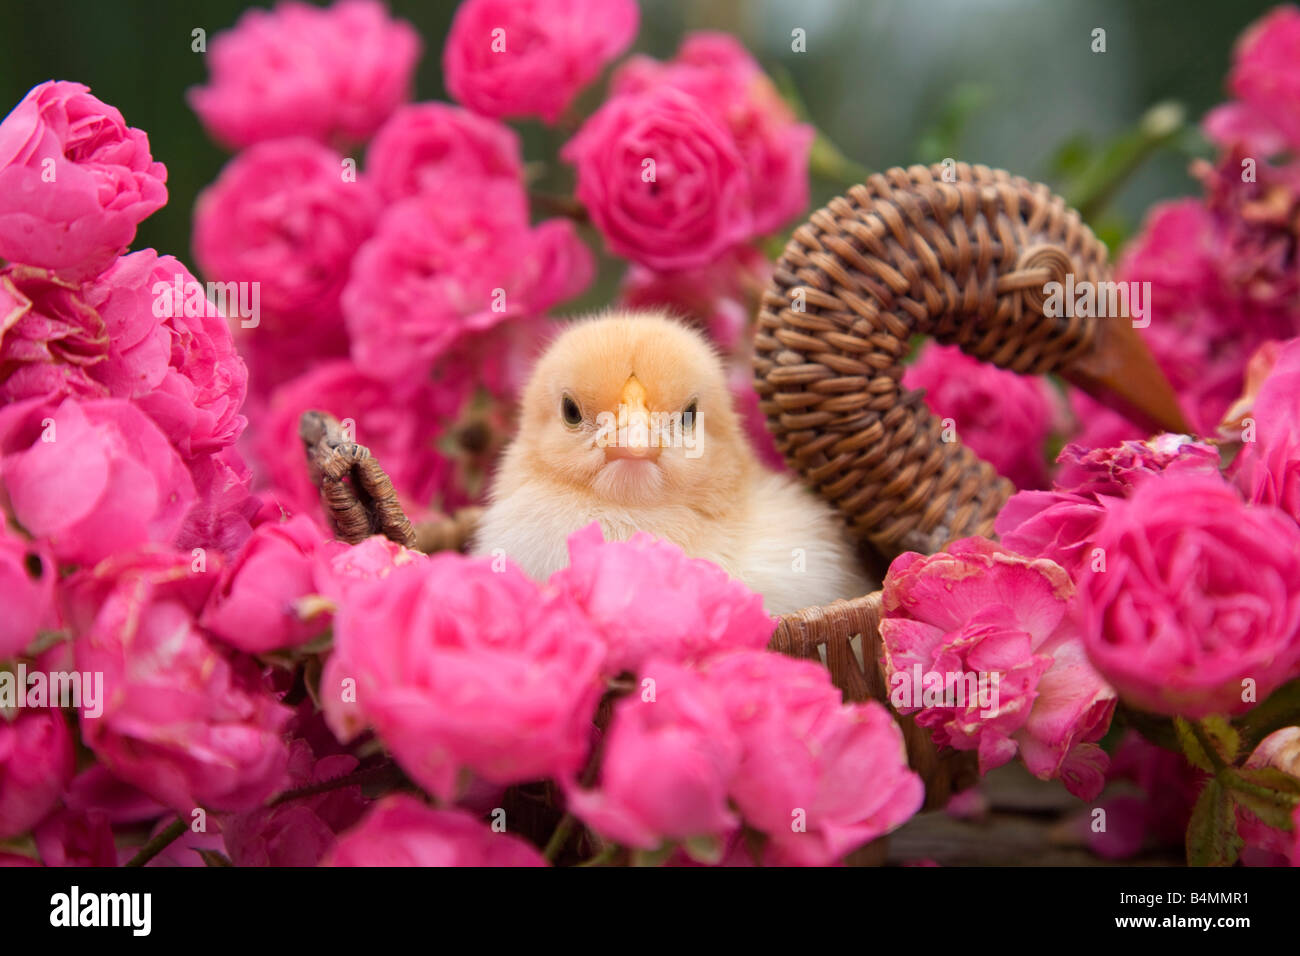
{"x": 959, "y": 253}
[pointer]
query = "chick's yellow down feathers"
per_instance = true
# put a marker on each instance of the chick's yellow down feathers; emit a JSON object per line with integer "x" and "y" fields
{"x": 627, "y": 420}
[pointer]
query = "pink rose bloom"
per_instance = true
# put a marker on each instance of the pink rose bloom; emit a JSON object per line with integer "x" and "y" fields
{"x": 426, "y": 147}
{"x": 92, "y": 478}
{"x": 258, "y": 604}
{"x": 181, "y": 369}
{"x": 182, "y": 720}
{"x": 400, "y": 422}
{"x": 403, "y": 831}
{"x": 1268, "y": 469}
{"x": 51, "y": 341}
{"x": 1265, "y": 79}
{"x": 818, "y": 776}
{"x": 978, "y": 612}
{"x": 1060, "y": 524}
{"x": 339, "y": 567}
{"x": 75, "y": 181}
{"x": 444, "y": 269}
{"x": 1222, "y": 280}
{"x": 689, "y": 208}
{"x": 666, "y": 764}
{"x": 720, "y": 74}
{"x": 298, "y": 832}
{"x": 532, "y": 57}
{"x": 457, "y": 666}
{"x": 1197, "y": 595}
{"x": 679, "y": 609}
{"x": 36, "y": 764}
{"x": 27, "y": 578}
{"x": 96, "y": 789}
{"x": 1002, "y": 416}
{"x": 70, "y": 838}
{"x": 717, "y": 298}
{"x": 221, "y": 518}
{"x": 282, "y": 215}
{"x": 332, "y": 74}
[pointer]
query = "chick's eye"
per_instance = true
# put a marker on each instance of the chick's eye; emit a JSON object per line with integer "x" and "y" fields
{"x": 570, "y": 411}
{"x": 689, "y": 414}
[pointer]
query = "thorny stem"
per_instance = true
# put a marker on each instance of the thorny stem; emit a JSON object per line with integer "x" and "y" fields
{"x": 158, "y": 843}
{"x": 1211, "y": 752}
{"x": 559, "y": 837}
{"x": 384, "y": 772}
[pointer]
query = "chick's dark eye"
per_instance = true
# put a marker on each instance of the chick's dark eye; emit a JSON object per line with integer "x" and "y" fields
{"x": 570, "y": 411}
{"x": 689, "y": 414}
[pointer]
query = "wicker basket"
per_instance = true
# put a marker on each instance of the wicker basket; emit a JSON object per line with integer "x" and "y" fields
{"x": 958, "y": 253}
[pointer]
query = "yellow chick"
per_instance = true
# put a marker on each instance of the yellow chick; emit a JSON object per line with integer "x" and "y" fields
{"x": 627, "y": 420}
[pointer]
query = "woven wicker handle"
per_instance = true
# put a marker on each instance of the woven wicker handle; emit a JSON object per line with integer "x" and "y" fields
{"x": 960, "y": 253}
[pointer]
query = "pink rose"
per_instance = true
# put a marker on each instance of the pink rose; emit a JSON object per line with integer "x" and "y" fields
{"x": 181, "y": 369}
{"x": 70, "y": 838}
{"x": 331, "y": 74}
{"x": 27, "y": 578}
{"x": 1002, "y": 416}
{"x": 663, "y": 180}
{"x": 438, "y": 147}
{"x": 75, "y": 181}
{"x": 258, "y": 603}
{"x": 532, "y": 57}
{"x": 400, "y": 422}
{"x": 666, "y": 764}
{"x": 282, "y": 215}
{"x": 725, "y": 80}
{"x": 185, "y": 722}
{"x": 458, "y": 666}
{"x": 92, "y": 478}
{"x": 1198, "y": 593}
{"x": 297, "y": 832}
{"x": 980, "y": 644}
{"x": 403, "y": 831}
{"x": 1268, "y": 469}
{"x": 36, "y": 764}
{"x": 1265, "y": 79}
{"x": 444, "y": 269}
{"x": 1060, "y": 524}
{"x": 339, "y": 567}
{"x": 53, "y": 342}
{"x": 222, "y": 517}
{"x": 680, "y": 609}
{"x": 819, "y": 777}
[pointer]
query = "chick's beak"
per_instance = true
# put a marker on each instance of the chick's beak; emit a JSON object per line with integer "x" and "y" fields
{"x": 633, "y": 439}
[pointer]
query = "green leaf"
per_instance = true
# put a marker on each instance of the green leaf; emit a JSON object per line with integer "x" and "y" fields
{"x": 1268, "y": 793}
{"x": 1223, "y": 736}
{"x": 1191, "y": 745}
{"x": 1212, "y": 838}
{"x": 1280, "y": 709}
{"x": 653, "y": 857}
{"x": 705, "y": 849}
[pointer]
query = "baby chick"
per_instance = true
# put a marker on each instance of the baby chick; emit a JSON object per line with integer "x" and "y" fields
{"x": 627, "y": 420}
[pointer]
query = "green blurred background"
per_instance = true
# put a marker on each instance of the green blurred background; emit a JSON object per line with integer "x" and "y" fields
{"x": 1012, "y": 83}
